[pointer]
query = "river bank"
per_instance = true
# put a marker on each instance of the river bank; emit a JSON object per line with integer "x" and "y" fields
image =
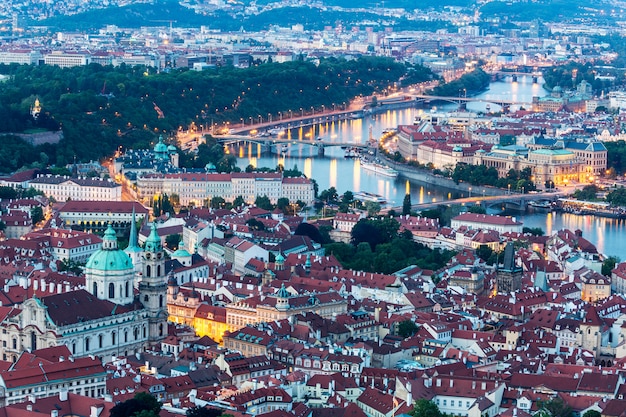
{"x": 426, "y": 177}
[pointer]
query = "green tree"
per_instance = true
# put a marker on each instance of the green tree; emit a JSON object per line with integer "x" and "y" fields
{"x": 217, "y": 202}
{"x": 307, "y": 229}
{"x": 477, "y": 209}
{"x": 329, "y": 196}
{"x": 161, "y": 205}
{"x": 592, "y": 413}
{"x": 7, "y": 193}
{"x": 346, "y": 201}
{"x": 373, "y": 208}
{"x": 255, "y": 224}
{"x": 172, "y": 241}
{"x": 617, "y": 197}
{"x": 141, "y": 405}
{"x": 264, "y": 203}
{"x": 239, "y": 201}
{"x": 425, "y": 408}
{"x": 555, "y": 408}
{"x": 608, "y": 265}
{"x": 283, "y": 204}
{"x": 535, "y": 231}
{"x": 588, "y": 193}
{"x": 484, "y": 252}
{"x": 203, "y": 412}
{"x": 74, "y": 267}
{"x": 407, "y": 328}
{"x": 36, "y": 214}
{"x": 406, "y": 204}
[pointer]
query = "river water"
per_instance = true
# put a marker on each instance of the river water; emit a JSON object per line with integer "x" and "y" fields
{"x": 333, "y": 170}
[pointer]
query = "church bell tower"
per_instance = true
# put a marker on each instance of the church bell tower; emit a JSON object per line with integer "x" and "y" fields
{"x": 153, "y": 286}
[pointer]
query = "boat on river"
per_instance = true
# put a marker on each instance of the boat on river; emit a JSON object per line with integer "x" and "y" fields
{"x": 540, "y": 204}
{"x": 380, "y": 169}
{"x": 366, "y": 196}
{"x": 352, "y": 153}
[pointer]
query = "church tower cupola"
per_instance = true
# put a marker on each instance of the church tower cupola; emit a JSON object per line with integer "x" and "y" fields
{"x": 109, "y": 272}
{"x": 153, "y": 286}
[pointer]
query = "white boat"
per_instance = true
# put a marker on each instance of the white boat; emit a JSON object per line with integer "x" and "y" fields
{"x": 542, "y": 204}
{"x": 351, "y": 153}
{"x": 380, "y": 169}
{"x": 365, "y": 196}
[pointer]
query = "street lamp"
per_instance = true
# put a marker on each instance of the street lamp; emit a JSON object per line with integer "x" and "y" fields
{"x": 301, "y": 112}
{"x": 509, "y": 189}
{"x": 290, "y": 114}
{"x": 312, "y": 110}
{"x": 250, "y": 120}
{"x": 269, "y": 116}
{"x": 470, "y": 192}
{"x": 260, "y": 119}
{"x": 280, "y": 116}
{"x": 323, "y": 108}
{"x": 242, "y": 123}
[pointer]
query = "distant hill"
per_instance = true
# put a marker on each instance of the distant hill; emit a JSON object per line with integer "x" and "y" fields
{"x": 132, "y": 16}
{"x": 160, "y": 13}
{"x": 547, "y": 10}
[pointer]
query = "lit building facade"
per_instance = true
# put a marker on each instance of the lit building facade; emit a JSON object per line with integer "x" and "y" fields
{"x": 63, "y": 188}
{"x": 199, "y": 188}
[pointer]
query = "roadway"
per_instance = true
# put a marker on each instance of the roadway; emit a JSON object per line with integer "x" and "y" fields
{"x": 484, "y": 200}
{"x": 456, "y": 99}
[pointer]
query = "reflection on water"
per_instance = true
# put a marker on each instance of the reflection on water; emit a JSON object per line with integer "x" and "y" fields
{"x": 607, "y": 234}
{"x": 345, "y": 174}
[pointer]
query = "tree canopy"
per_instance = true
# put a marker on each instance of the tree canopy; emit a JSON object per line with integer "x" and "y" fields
{"x": 377, "y": 247}
{"x": 425, "y": 408}
{"x": 141, "y": 405}
{"x": 100, "y": 108}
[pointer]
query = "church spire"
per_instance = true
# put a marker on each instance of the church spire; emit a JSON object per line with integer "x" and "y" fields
{"x": 133, "y": 242}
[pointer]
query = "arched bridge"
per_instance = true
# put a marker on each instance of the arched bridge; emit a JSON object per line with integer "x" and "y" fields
{"x": 460, "y": 100}
{"x": 513, "y": 200}
{"x": 268, "y": 142}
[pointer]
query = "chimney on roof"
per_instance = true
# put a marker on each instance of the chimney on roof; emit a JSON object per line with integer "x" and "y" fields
{"x": 63, "y": 395}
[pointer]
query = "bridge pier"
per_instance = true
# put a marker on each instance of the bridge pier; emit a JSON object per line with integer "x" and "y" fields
{"x": 320, "y": 150}
{"x": 514, "y": 78}
{"x": 535, "y": 79}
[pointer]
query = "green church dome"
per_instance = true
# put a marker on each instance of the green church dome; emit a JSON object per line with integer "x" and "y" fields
{"x": 160, "y": 148}
{"x": 153, "y": 243}
{"x": 181, "y": 252}
{"x": 109, "y": 258}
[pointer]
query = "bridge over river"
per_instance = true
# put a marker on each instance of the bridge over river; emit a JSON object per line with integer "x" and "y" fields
{"x": 268, "y": 142}
{"x": 512, "y": 201}
{"x": 461, "y": 101}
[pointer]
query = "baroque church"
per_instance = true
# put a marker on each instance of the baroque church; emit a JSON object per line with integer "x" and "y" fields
{"x": 107, "y": 318}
